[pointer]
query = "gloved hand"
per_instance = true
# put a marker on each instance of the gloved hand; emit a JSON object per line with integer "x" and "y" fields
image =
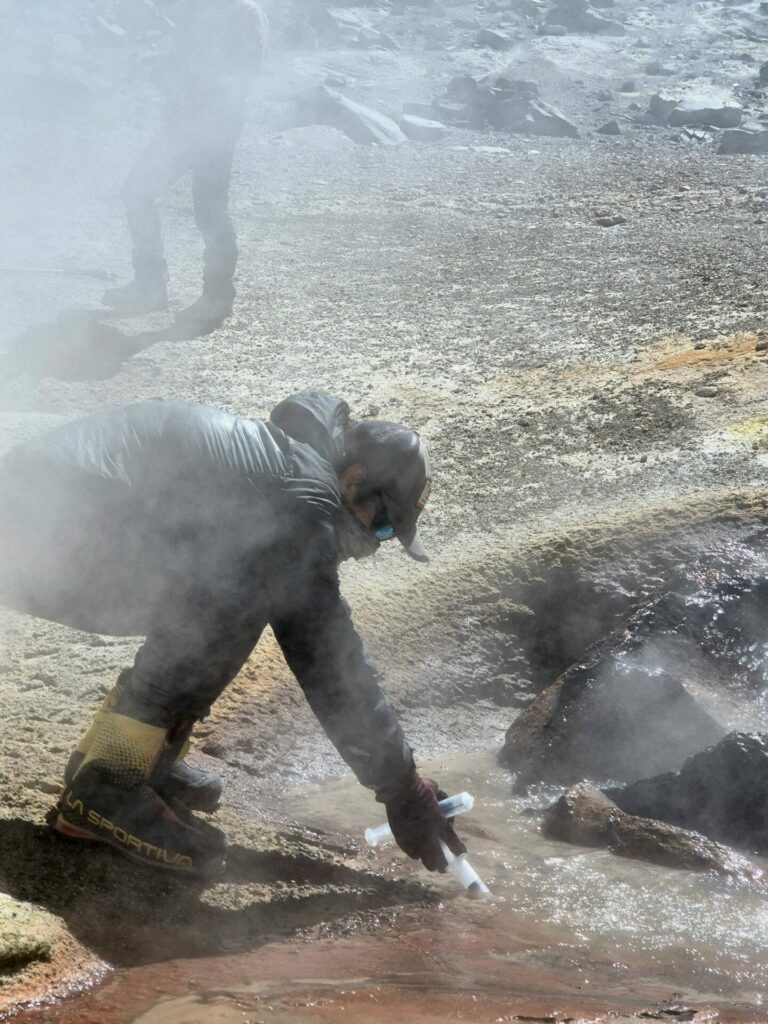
{"x": 418, "y": 826}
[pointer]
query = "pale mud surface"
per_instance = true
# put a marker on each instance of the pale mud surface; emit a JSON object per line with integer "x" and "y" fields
{"x": 551, "y": 365}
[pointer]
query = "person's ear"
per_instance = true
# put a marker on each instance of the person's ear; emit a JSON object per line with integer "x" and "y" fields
{"x": 350, "y": 480}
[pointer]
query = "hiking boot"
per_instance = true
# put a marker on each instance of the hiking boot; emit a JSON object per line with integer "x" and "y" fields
{"x": 137, "y": 297}
{"x": 139, "y": 824}
{"x": 200, "y": 790}
{"x": 204, "y": 315}
{"x": 197, "y": 789}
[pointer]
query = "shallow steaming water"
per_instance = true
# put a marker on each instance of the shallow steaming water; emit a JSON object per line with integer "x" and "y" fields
{"x": 567, "y": 930}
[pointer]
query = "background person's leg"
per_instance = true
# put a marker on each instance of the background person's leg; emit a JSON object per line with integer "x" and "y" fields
{"x": 211, "y": 176}
{"x": 161, "y": 163}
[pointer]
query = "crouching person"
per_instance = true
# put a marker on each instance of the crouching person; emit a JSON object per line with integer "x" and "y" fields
{"x": 196, "y": 529}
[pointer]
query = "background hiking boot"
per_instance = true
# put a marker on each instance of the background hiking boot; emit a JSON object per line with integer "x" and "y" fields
{"x": 139, "y": 824}
{"x": 137, "y": 297}
{"x": 198, "y": 789}
{"x": 205, "y": 315}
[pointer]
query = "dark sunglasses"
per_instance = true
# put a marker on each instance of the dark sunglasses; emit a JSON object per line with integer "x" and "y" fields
{"x": 381, "y": 527}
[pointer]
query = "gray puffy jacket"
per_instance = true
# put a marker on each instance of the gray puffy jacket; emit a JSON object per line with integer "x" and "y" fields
{"x": 197, "y": 528}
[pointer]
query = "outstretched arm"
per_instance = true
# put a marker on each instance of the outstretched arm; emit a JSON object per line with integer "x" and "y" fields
{"x": 326, "y": 655}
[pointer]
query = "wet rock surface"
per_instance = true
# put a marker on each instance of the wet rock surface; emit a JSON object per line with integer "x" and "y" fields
{"x": 626, "y": 707}
{"x": 719, "y": 792}
{"x": 586, "y": 817}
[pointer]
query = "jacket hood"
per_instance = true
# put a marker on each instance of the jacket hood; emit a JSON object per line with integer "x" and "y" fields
{"x": 316, "y": 419}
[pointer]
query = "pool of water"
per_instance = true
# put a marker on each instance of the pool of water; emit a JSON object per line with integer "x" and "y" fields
{"x": 567, "y": 931}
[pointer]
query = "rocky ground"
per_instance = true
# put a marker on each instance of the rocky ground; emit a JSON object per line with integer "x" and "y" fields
{"x": 575, "y": 324}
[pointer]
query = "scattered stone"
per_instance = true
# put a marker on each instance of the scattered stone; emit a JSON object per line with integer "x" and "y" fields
{"x": 420, "y": 129}
{"x": 586, "y": 817}
{"x": 610, "y": 220}
{"x": 495, "y": 40}
{"x": 360, "y": 123}
{"x": 655, "y": 67}
{"x": 719, "y": 792}
{"x": 707, "y": 391}
{"x": 609, "y": 128}
{"x": 630, "y": 85}
{"x": 579, "y": 16}
{"x": 744, "y": 140}
{"x": 763, "y": 72}
{"x": 425, "y": 110}
{"x": 335, "y": 80}
{"x": 699, "y": 346}
{"x": 761, "y": 346}
{"x": 604, "y": 95}
{"x": 506, "y": 104}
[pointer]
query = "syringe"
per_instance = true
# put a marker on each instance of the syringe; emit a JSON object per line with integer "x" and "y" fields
{"x": 459, "y": 866}
{"x": 450, "y": 806}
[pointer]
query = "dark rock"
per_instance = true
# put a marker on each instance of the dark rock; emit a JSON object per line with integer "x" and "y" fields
{"x": 360, "y": 123}
{"x": 744, "y": 140}
{"x": 420, "y": 129}
{"x": 655, "y": 67}
{"x": 604, "y": 95}
{"x": 610, "y": 220}
{"x": 706, "y": 392}
{"x": 586, "y": 817}
{"x": 624, "y": 708}
{"x": 763, "y": 72}
{"x": 630, "y": 85}
{"x": 609, "y": 128}
{"x": 720, "y": 792}
{"x": 660, "y": 106}
{"x": 495, "y": 40}
{"x": 462, "y": 88}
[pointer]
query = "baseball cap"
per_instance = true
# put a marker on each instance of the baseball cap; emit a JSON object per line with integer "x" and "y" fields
{"x": 397, "y": 467}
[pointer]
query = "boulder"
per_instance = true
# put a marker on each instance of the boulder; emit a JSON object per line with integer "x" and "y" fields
{"x": 744, "y": 140}
{"x": 586, "y": 817}
{"x": 611, "y": 717}
{"x": 716, "y": 111}
{"x": 720, "y": 792}
{"x": 609, "y": 128}
{"x": 360, "y": 123}
{"x": 421, "y": 129}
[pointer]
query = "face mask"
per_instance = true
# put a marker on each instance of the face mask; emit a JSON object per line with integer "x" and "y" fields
{"x": 353, "y": 540}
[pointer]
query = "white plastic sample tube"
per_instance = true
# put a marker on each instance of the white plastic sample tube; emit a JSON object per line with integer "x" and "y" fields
{"x": 459, "y": 803}
{"x": 465, "y": 874}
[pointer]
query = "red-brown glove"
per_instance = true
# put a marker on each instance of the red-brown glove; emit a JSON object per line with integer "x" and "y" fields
{"x": 418, "y": 825}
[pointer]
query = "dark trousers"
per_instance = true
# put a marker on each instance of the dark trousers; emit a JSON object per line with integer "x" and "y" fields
{"x": 208, "y": 153}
